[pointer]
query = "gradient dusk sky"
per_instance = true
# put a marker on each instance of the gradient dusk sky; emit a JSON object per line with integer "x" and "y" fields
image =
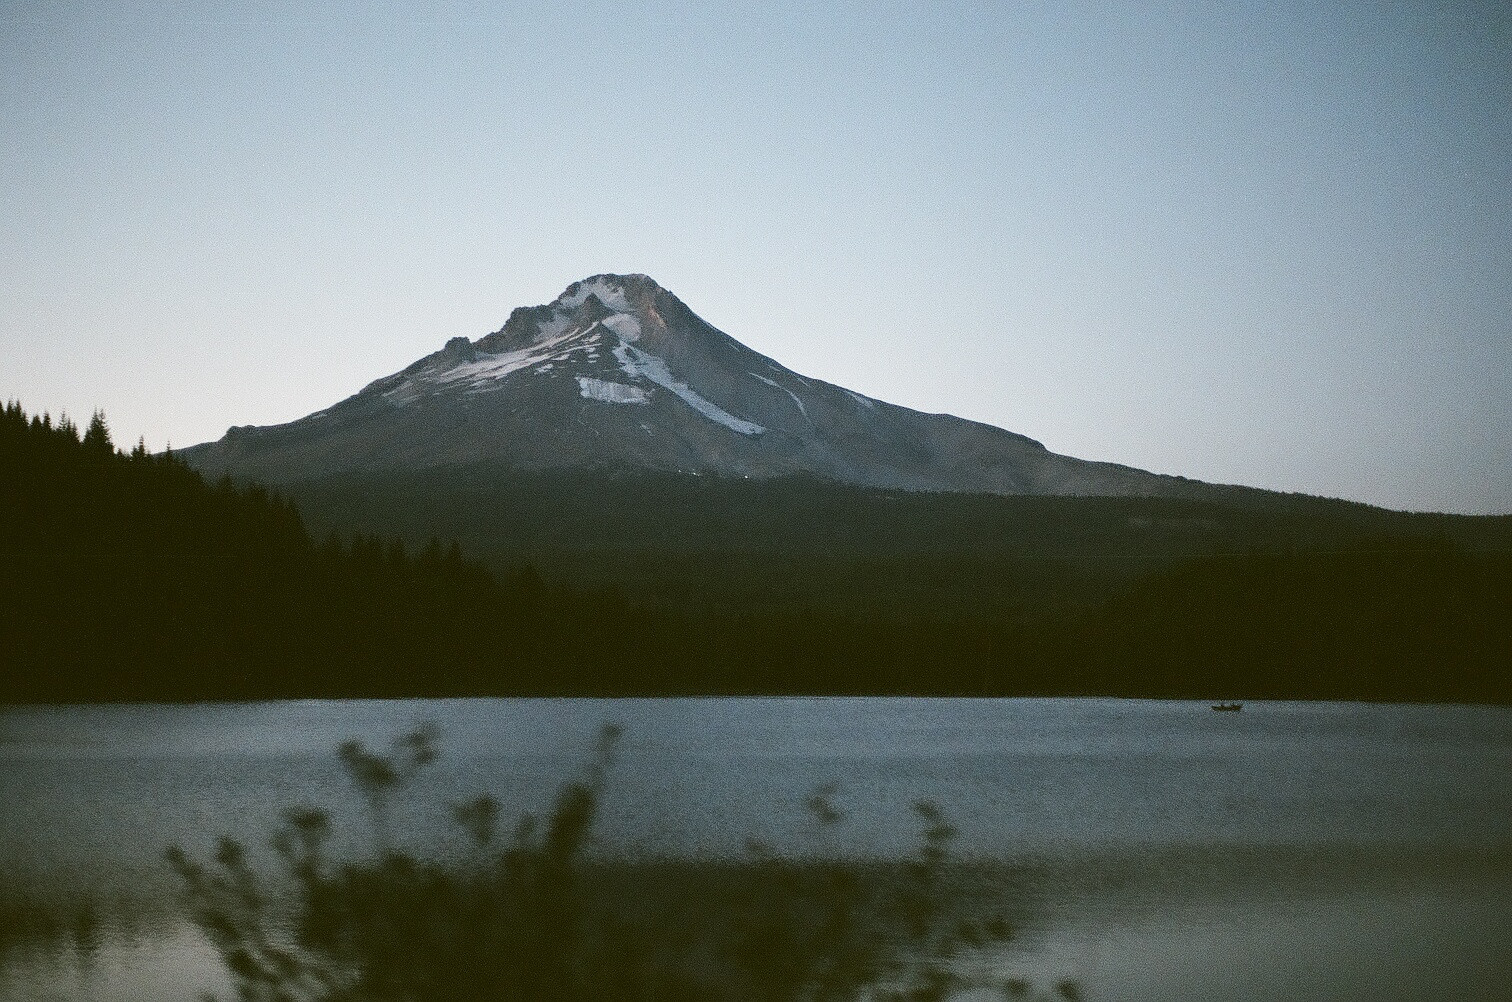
{"x": 1267, "y": 244}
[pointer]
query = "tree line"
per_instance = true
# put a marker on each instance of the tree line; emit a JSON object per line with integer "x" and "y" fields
{"x": 128, "y": 576}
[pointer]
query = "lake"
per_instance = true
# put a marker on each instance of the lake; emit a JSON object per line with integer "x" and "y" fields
{"x": 1157, "y": 849}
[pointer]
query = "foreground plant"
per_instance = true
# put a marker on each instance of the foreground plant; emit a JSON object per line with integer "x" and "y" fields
{"x": 528, "y": 917}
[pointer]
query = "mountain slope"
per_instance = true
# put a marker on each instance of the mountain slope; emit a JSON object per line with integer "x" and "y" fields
{"x": 617, "y": 373}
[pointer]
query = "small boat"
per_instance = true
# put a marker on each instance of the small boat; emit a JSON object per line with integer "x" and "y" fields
{"x": 1228, "y": 707}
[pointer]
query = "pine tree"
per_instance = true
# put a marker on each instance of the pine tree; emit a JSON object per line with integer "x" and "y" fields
{"x": 97, "y": 437}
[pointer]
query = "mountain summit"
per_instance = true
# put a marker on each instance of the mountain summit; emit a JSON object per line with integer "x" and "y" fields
{"x": 617, "y": 374}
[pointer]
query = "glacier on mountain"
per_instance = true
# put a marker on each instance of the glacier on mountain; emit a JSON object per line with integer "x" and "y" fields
{"x": 638, "y": 363}
{"x": 610, "y": 392}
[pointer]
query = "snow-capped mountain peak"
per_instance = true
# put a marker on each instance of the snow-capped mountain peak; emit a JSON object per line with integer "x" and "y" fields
{"x": 591, "y": 333}
{"x": 617, "y": 372}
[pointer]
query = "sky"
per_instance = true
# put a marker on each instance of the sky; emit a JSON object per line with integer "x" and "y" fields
{"x": 1265, "y": 244}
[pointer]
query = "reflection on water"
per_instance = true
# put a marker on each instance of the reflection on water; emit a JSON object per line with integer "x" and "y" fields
{"x": 1381, "y": 930}
{"x": 1447, "y": 941}
{"x": 1148, "y": 849}
{"x": 176, "y": 964}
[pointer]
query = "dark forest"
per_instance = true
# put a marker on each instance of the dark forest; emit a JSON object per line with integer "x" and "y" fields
{"x": 130, "y": 577}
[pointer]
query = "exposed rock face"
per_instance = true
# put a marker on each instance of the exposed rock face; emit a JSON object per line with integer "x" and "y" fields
{"x": 618, "y": 374}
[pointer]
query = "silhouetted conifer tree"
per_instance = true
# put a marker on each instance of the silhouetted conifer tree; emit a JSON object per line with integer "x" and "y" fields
{"x": 97, "y": 436}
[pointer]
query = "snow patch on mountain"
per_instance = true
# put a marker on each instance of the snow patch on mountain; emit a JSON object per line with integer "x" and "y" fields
{"x": 610, "y": 294}
{"x": 639, "y": 364}
{"x": 626, "y": 327}
{"x": 776, "y": 385}
{"x": 406, "y": 392}
{"x": 486, "y": 372}
{"x": 866, "y": 402}
{"x": 611, "y": 392}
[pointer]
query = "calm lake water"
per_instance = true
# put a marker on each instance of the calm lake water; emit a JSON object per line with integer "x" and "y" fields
{"x": 1161, "y": 850}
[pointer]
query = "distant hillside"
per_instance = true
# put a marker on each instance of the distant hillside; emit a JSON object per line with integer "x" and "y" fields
{"x": 801, "y": 584}
{"x": 1381, "y": 620}
{"x": 742, "y": 546}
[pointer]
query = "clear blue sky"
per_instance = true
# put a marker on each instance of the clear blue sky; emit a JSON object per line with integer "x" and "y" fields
{"x": 1263, "y": 244}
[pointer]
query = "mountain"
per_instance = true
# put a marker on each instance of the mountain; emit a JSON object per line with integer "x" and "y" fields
{"x": 618, "y": 374}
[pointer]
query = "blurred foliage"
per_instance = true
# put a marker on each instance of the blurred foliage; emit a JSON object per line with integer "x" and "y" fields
{"x": 527, "y": 917}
